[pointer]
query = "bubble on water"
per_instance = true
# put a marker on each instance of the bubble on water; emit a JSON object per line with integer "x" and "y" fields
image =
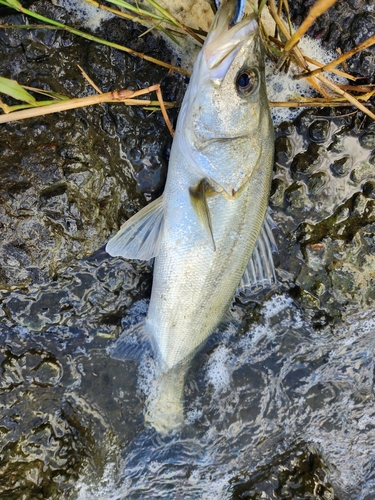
{"x": 91, "y": 16}
{"x": 275, "y": 305}
{"x": 282, "y": 87}
{"x": 136, "y": 314}
{"x": 253, "y": 336}
{"x": 147, "y": 372}
{"x": 218, "y": 372}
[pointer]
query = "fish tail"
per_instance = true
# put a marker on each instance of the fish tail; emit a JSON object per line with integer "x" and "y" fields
{"x": 164, "y": 406}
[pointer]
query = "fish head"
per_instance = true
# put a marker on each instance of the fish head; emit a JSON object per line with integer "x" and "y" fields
{"x": 225, "y": 116}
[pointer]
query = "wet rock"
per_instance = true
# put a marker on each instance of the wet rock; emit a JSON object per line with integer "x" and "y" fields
{"x": 362, "y": 171}
{"x": 296, "y": 196}
{"x": 35, "y": 51}
{"x": 65, "y": 179}
{"x": 300, "y": 473}
{"x": 369, "y": 189}
{"x": 317, "y": 182}
{"x": 362, "y": 28}
{"x": 283, "y": 148}
{"x": 341, "y": 166}
{"x": 367, "y": 140}
{"x": 277, "y": 192}
{"x": 306, "y": 161}
{"x": 319, "y": 130}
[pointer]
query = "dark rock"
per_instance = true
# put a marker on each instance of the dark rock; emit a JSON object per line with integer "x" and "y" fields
{"x": 367, "y": 140}
{"x": 283, "y": 149}
{"x": 342, "y": 166}
{"x": 319, "y": 130}
{"x": 317, "y": 182}
{"x": 307, "y": 161}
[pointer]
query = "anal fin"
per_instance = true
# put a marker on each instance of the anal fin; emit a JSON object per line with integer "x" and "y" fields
{"x": 132, "y": 344}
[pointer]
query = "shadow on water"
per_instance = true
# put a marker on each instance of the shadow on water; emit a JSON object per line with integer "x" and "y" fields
{"x": 281, "y": 407}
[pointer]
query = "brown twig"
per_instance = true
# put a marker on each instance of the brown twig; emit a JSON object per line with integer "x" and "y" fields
{"x": 316, "y": 10}
{"x": 126, "y": 96}
{"x": 313, "y": 103}
{"x": 328, "y": 67}
{"x": 280, "y": 44}
{"x": 91, "y": 82}
{"x": 346, "y": 95}
{"x": 162, "y": 107}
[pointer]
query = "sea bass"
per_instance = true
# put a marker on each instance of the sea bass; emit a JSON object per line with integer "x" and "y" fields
{"x": 209, "y": 232}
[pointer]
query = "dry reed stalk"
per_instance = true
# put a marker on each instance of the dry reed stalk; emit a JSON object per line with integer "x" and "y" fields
{"x": 328, "y": 67}
{"x": 126, "y": 96}
{"x": 316, "y": 10}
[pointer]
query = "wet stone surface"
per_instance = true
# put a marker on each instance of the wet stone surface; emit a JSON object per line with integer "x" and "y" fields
{"x": 322, "y": 202}
{"x": 344, "y": 25}
{"x": 68, "y": 181}
{"x": 65, "y": 179}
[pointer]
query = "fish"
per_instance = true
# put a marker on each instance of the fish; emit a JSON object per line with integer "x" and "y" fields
{"x": 210, "y": 233}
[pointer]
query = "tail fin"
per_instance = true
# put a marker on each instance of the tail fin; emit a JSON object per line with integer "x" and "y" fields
{"x": 164, "y": 405}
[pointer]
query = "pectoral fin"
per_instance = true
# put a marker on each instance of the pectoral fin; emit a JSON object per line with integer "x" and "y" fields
{"x": 260, "y": 271}
{"x": 140, "y": 236}
{"x": 198, "y": 197}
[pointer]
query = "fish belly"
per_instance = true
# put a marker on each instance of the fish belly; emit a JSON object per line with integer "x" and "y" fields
{"x": 193, "y": 284}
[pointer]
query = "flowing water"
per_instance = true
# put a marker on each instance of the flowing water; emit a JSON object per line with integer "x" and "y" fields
{"x": 279, "y": 405}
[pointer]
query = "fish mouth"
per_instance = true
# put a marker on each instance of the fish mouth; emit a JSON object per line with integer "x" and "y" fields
{"x": 224, "y": 39}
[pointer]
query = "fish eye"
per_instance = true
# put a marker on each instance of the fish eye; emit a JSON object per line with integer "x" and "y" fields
{"x": 247, "y": 81}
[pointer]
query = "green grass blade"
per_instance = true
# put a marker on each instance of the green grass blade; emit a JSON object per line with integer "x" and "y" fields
{"x": 169, "y": 35}
{"x": 162, "y": 11}
{"x": 93, "y": 38}
{"x": 13, "y": 3}
{"x": 37, "y": 104}
{"x": 14, "y": 89}
{"x": 138, "y": 10}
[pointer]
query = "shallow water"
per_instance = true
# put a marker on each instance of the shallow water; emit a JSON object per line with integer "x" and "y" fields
{"x": 277, "y": 389}
{"x": 280, "y": 405}
{"x": 275, "y": 409}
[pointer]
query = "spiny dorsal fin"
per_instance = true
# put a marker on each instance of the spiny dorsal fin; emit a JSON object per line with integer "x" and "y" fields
{"x": 139, "y": 237}
{"x": 198, "y": 197}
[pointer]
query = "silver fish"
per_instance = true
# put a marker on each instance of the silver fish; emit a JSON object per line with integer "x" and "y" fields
{"x": 209, "y": 232}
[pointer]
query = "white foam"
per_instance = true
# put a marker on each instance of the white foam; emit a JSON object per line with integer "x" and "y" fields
{"x": 136, "y": 314}
{"x": 283, "y": 87}
{"x": 275, "y": 305}
{"x": 218, "y": 371}
{"x": 91, "y": 16}
{"x": 193, "y": 415}
{"x": 147, "y": 372}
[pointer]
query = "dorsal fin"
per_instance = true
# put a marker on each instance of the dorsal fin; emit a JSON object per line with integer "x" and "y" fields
{"x": 260, "y": 271}
{"x": 140, "y": 236}
{"x": 198, "y": 199}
